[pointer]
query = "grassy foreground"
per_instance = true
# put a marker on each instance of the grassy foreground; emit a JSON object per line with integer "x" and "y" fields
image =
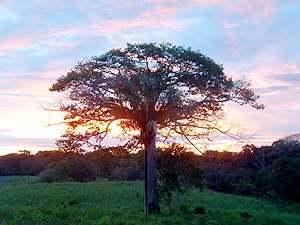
{"x": 25, "y": 201}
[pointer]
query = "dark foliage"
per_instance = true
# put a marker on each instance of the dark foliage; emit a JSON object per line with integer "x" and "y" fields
{"x": 25, "y": 163}
{"x": 267, "y": 171}
{"x": 178, "y": 171}
{"x": 199, "y": 210}
{"x": 69, "y": 169}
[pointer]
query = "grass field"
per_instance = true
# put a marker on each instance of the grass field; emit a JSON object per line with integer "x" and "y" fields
{"x": 26, "y": 201}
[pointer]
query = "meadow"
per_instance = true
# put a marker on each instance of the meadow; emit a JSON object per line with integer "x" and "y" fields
{"x": 26, "y": 201}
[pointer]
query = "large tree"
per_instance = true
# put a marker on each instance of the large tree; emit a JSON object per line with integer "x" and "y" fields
{"x": 161, "y": 90}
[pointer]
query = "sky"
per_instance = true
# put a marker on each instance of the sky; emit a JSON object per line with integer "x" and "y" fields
{"x": 256, "y": 40}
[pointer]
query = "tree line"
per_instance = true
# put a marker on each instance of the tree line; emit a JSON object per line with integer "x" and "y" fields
{"x": 268, "y": 171}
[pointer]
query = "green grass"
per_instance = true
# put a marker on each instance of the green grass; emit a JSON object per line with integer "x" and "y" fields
{"x": 26, "y": 201}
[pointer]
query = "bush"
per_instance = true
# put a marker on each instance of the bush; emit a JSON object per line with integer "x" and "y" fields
{"x": 53, "y": 175}
{"x": 178, "y": 171}
{"x": 130, "y": 173}
{"x": 68, "y": 169}
{"x": 285, "y": 178}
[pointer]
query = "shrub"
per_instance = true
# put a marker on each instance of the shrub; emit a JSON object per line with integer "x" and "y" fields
{"x": 53, "y": 175}
{"x": 72, "y": 168}
{"x": 129, "y": 172}
{"x": 177, "y": 173}
{"x": 285, "y": 178}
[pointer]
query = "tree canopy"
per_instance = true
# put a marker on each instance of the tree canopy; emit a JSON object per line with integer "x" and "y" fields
{"x": 180, "y": 89}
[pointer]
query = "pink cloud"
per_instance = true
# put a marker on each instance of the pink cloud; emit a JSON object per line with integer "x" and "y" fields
{"x": 161, "y": 15}
{"x": 161, "y": 12}
{"x": 265, "y": 73}
{"x": 33, "y": 39}
{"x": 16, "y": 42}
{"x": 254, "y": 9}
{"x": 257, "y": 12}
{"x": 154, "y": 18}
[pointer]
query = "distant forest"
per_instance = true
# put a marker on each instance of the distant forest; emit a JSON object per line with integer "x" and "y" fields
{"x": 268, "y": 171}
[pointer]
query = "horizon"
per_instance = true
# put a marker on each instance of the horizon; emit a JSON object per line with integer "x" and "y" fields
{"x": 41, "y": 41}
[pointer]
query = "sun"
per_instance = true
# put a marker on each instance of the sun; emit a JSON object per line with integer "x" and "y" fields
{"x": 115, "y": 128}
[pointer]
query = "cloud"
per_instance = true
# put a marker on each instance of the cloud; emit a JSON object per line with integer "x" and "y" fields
{"x": 150, "y": 15}
{"x": 244, "y": 13}
{"x": 42, "y": 40}
{"x": 155, "y": 18}
{"x": 272, "y": 89}
{"x": 12, "y": 144}
{"x": 266, "y": 69}
{"x": 54, "y": 39}
{"x": 16, "y": 42}
{"x": 290, "y": 78}
{"x": 33, "y": 142}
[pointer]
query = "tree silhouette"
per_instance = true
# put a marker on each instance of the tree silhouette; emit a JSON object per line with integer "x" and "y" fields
{"x": 161, "y": 90}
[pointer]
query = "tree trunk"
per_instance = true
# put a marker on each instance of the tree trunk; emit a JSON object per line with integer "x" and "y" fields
{"x": 99, "y": 174}
{"x": 151, "y": 193}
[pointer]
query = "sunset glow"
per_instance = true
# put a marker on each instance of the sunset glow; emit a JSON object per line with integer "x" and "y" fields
{"x": 42, "y": 40}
